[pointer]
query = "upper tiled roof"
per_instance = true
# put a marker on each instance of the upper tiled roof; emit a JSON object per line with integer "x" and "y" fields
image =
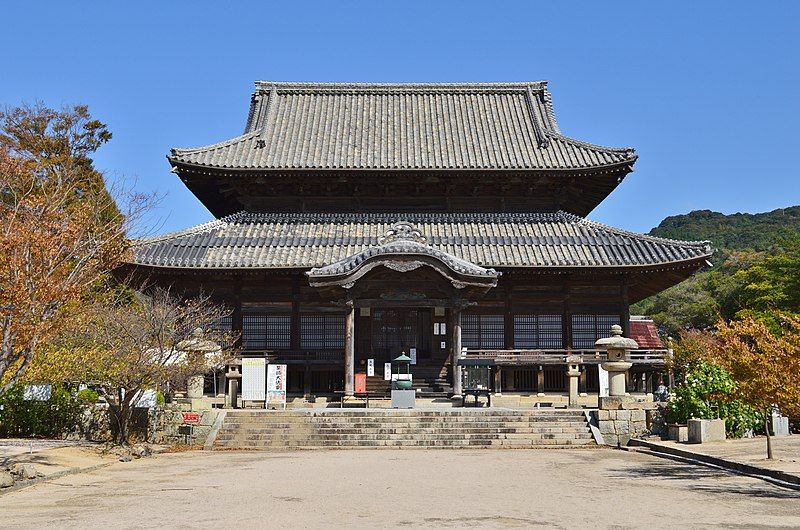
{"x": 307, "y": 240}
{"x": 402, "y": 126}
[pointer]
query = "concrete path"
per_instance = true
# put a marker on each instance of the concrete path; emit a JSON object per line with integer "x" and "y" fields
{"x": 410, "y": 488}
{"x": 742, "y": 454}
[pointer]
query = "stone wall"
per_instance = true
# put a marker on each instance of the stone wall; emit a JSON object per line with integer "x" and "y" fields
{"x": 169, "y": 430}
{"x": 621, "y": 418}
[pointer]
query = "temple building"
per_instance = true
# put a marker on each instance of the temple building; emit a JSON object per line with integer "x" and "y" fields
{"x": 359, "y": 221}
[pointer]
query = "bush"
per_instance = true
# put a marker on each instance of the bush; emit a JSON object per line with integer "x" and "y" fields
{"x": 87, "y": 396}
{"x": 54, "y": 418}
{"x": 706, "y": 393}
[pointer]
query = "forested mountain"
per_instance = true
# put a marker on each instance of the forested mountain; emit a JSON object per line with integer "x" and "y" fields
{"x": 756, "y": 269}
{"x": 737, "y": 232}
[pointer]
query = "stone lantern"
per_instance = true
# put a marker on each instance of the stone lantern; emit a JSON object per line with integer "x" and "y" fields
{"x": 197, "y": 348}
{"x": 617, "y": 348}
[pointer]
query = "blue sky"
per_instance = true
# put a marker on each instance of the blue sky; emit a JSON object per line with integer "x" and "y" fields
{"x": 707, "y": 92}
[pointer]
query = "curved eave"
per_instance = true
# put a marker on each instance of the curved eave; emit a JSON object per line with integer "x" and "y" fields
{"x": 178, "y": 163}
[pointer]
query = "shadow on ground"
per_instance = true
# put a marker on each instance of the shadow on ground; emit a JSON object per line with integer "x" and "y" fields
{"x": 702, "y": 478}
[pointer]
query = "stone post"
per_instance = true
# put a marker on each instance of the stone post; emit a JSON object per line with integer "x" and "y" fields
{"x": 456, "y": 327}
{"x": 233, "y": 376}
{"x": 573, "y": 373}
{"x": 349, "y": 352}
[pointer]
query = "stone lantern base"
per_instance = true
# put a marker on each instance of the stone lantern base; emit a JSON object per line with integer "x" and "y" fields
{"x": 621, "y": 418}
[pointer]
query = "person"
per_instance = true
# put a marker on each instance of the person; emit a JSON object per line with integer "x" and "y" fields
{"x": 661, "y": 393}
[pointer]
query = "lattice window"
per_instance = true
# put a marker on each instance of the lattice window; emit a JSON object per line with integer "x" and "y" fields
{"x": 538, "y": 331}
{"x": 266, "y": 332}
{"x": 322, "y": 332}
{"x": 223, "y": 325}
{"x": 586, "y": 329}
{"x": 483, "y": 332}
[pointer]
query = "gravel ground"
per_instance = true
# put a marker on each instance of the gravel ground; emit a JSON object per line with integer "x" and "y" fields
{"x": 408, "y": 488}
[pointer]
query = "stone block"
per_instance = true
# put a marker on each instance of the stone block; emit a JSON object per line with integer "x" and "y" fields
{"x": 6, "y": 479}
{"x": 701, "y": 431}
{"x": 637, "y": 415}
{"x": 679, "y": 433}
{"x": 603, "y": 415}
{"x": 622, "y": 415}
{"x": 780, "y": 425}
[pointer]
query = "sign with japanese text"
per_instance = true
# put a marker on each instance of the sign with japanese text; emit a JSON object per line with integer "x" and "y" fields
{"x": 276, "y": 384}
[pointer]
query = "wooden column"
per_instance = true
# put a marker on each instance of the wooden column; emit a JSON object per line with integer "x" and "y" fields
{"x": 625, "y": 313}
{"x": 349, "y": 351}
{"x": 540, "y": 381}
{"x": 456, "y": 327}
{"x": 498, "y": 380}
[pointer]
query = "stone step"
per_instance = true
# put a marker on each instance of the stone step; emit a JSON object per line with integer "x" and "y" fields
{"x": 314, "y": 439}
{"x": 422, "y": 443}
{"x": 411, "y": 430}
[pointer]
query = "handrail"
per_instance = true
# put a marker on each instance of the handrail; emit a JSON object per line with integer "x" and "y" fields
{"x": 559, "y": 356}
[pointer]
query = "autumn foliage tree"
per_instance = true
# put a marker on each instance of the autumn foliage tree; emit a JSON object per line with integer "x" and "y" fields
{"x": 60, "y": 229}
{"x": 137, "y": 343}
{"x": 764, "y": 364}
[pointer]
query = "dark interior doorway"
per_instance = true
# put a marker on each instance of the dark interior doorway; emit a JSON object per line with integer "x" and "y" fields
{"x": 396, "y": 330}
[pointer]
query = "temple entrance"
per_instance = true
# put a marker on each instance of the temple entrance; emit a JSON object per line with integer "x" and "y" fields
{"x": 396, "y": 330}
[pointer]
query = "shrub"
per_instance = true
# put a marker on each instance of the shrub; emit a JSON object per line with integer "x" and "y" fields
{"x": 53, "y": 418}
{"x": 707, "y": 393}
{"x": 87, "y": 396}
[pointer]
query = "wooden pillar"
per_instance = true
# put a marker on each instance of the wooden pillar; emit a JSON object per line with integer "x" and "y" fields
{"x": 582, "y": 379}
{"x": 236, "y": 316}
{"x": 349, "y": 351}
{"x": 307, "y": 379}
{"x": 540, "y": 381}
{"x": 498, "y": 380}
{"x": 625, "y": 310}
{"x": 456, "y": 353}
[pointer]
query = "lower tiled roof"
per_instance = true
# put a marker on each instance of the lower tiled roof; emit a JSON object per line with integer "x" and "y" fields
{"x": 306, "y": 240}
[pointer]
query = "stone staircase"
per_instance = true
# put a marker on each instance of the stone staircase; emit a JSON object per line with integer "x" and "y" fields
{"x": 375, "y": 428}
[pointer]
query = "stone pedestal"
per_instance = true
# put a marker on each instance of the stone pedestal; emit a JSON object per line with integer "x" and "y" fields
{"x": 404, "y": 399}
{"x": 701, "y": 431}
{"x": 621, "y": 418}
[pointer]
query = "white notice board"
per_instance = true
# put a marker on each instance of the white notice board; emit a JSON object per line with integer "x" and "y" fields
{"x": 602, "y": 376}
{"x": 370, "y": 367}
{"x": 413, "y": 352}
{"x": 387, "y": 371}
{"x": 276, "y": 384}
{"x": 254, "y": 381}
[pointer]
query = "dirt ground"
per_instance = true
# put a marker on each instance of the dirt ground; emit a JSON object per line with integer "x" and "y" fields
{"x": 407, "y": 488}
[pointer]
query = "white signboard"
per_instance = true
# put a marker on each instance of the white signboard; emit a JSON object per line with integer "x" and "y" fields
{"x": 435, "y": 328}
{"x": 147, "y": 399}
{"x": 37, "y": 392}
{"x": 387, "y": 371}
{"x": 254, "y": 379}
{"x": 603, "y": 380}
{"x": 442, "y": 329}
{"x": 413, "y": 355}
{"x": 276, "y": 384}
{"x": 370, "y": 367}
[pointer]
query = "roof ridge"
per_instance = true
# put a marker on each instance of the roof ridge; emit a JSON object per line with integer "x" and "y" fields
{"x": 630, "y": 233}
{"x": 223, "y": 143}
{"x": 559, "y": 135}
{"x": 264, "y": 86}
{"x": 187, "y": 231}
